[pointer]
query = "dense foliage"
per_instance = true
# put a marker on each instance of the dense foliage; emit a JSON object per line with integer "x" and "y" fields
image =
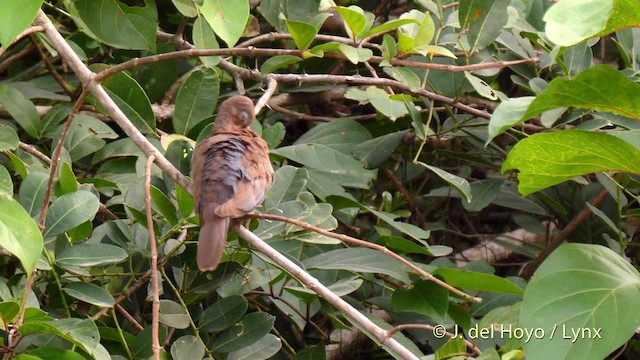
{"x": 431, "y": 159}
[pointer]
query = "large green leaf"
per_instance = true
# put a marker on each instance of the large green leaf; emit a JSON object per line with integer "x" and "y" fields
{"x": 570, "y": 21}
{"x": 477, "y": 281}
{"x": 8, "y": 138}
{"x": 484, "y": 19}
{"x": 425, "y": 297}
{"x": 205, "y": 38}
{"x": 196, "y": 100}
{"x": 344, "y": 169}
{"x": 354, "y": 19}
{"x": 302, "y": 33}
{"x": 223, "y": 313}
{"x": 187, "y": 347}
{"x": 21, "y": 109}
{"x": 340, "y": 135}
{"x": 32, "y": 191}
{"x": 69, "y": 211}
{"x": 373, "y": 153}
{"x": 288, "y": 184}
{"x": 89, "y": 293}
{"x": 276, "y": 11}
{"x": 458, "y": 183}
{"x": 509, "y": 113}
{"x": 15, "y": 16}
{"x": 90, "y": 255}
{"x": 6, "y": 185}
{"x": 548, "y": 159}
{"x": 120, "y": 25}
{"x": 359, "y": 260}
{"x": 600, "y": 88}
{"x": 579, "y": 291}
{"x": 83, "y": 333}
{"x": 264, "y": 348}
{"x": 227, "y": 18}
{"x": 173, "y": 314}
{"x": 132, "y": 100}
{"x": 19, "y": 234}
{"x": 249, "y": 330}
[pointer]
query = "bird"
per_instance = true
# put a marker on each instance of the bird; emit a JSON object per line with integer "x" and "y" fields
{"x": 231, "y": 174}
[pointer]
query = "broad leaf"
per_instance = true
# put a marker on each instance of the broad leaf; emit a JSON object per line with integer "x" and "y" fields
{"x": 90, "y": 255}
{"x": 581, "y": 288}
{"x": 227, "y": 18}
{"x": 69, "y": 211}
{"x": 509, "y": 113}
{"x": 458, "y": 183}
{"x": 249, "y": 330}
{"x": 484, "y": 21}
{"x": 89, "y": 293}
{"x": 264, "y": 348}
{"x": 477, "y": 281}
{"x": 21, "y": 109}
{"x": 359, "y": 260}
{"x": 15, "y": 17}
{"x": 196, "y": 100}
{"x": 548, "y": 159}
{"x": 19, "y": 234}
{"x": 187, "y": 347}
{"x": 205, "y": 38}
{"x": 425, "y": 297}
{"x": 120, "y": 25}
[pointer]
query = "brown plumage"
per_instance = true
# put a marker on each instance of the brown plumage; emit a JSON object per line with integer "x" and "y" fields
{"x": 231, "y": 175}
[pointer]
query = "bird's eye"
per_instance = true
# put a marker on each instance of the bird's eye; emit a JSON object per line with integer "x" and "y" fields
{"x": 244, "y": 116}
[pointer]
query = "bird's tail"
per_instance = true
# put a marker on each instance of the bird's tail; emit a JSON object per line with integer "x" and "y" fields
{"x": 211, "y": 242}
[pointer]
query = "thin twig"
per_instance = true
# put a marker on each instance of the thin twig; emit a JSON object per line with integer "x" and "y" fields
{"x": 50, "y": 67}
{"x": 382, "y": 249}
{"x": 272, "y": 85}
{"x": 129, "y": 318}
{"x": 313, "y": 284}
{"x": 35, "y": 152}
{"x": 307, "y": 117}
{"x": 56, "y": 157}
{"x": 155, "y": 291}
{"x": 25, "y": 32}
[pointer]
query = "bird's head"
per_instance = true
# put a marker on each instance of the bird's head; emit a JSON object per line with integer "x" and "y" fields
{"x": 234, "y": 113}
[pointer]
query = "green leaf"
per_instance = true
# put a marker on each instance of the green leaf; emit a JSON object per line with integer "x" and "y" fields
{"x": 275, "y": 11}
{"x": 249, "y": 330}
{"x": 173, "y": 314}
{"x": 483, "y": 193}
{"x": 88, "y": 254}
{"x": 388, "y": 26}
{"x": 509, "y": 113}
{"x": 187, "y": 347}
{"x": 274, "y": 135}
{"x": 355, "y": 55}
{"x": 9, "y": 311}
{"x": 578, "y": 287}
{"x": 425, "y": 297}
{"x": 404, "y": 75}
{"x": 185, "y": 201}
{"x": 21, "y": 109}
{"x": 389, "y": 48}
{"x": 359, "y": 260}
{"x": 302, "y": 33}
{"x": 19, "y": 234}
{"x": 83, "y": 333}
{"x": 381, "y": 100}
{"x": 569, "y": 22}
{"x": 481, "y": 87}
{"x": 186, "y": 7}
{"x": 205, "y": 38}
{"x": 600, "y": 88}
{"x": 264, "y": 348}
{"x": 67, "y": 182}
{"x": 484, "y": 21}
{"x": 354, "y": 20}
{"x": 227, "y": 18}
{"x": 345, "y": 170}
{"x": 375, "y": 152}
{"x": 223, "y": 314}
{"x": 277, "y": 62}
{"x": 132, "y": 100}
{"x": 51, "y": 353}
{"x": 288, "y": 184}
{"x": 6, "y": 185}
{"x": 458, "y": 183}
{"x": 89, "y": 293}
{"x": 548, "y": 159}
{"x": 477, "y": 281}
{"x": 69, "y": 211}
{"x": 120, "y": 25}
{"x": 339, "y": 135}
{"x": 32, "y": 190}
{"x": 15, "y": 17}
{"x": 196, "y": 99}
{"x": 8, "y": 139}
{"x": 119, "y": 148}
{"x": 164, "y": 205}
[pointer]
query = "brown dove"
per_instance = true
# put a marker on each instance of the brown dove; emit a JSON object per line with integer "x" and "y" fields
{"x": 231, "y": 175}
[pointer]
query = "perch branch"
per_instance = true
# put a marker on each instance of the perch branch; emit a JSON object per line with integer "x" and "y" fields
{"x": 155, "y": 292}
{"x": 313, "y": 284}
